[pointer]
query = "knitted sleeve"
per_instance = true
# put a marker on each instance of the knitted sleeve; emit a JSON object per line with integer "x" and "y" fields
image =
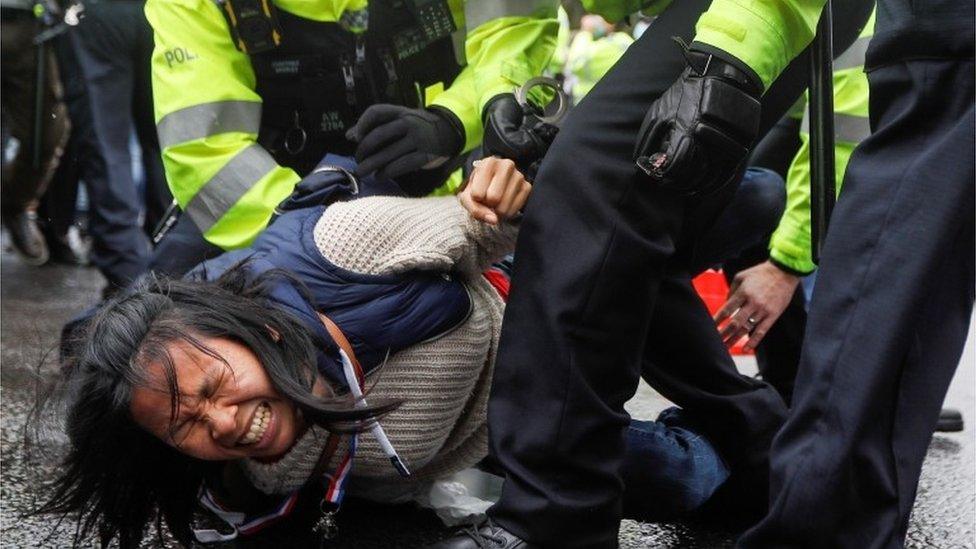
{"x": 387, "y": 235}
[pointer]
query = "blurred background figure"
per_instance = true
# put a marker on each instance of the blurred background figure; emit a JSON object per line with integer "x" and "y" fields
{"x": 594, "y": 49}
{"x": 114, "y": 44}
{"x": 97, "y": 57}
{"x": 35, "y": 124}
{"x": 588, "y": 46}
{"x": 63, "y": 218}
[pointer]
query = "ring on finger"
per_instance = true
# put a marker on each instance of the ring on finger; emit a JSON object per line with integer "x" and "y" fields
{"x": 752, "y": 321}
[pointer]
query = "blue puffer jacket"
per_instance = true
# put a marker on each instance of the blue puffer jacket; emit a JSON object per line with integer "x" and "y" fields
{"x": 377, "y": 314}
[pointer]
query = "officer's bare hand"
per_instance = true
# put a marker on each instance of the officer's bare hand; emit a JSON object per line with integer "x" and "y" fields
{"x": 757, "y": 297}
{"x": 495, "y": 191}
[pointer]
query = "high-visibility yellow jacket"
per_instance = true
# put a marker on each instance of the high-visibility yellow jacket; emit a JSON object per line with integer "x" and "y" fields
{"x": 557, "y": 64}
{"x": 208, "y": 112}
{"x": 790, "y": 245}
{"x": 764, "y": 34}
{"x": 616, "y": 10}
{"x": 589, "y": 58}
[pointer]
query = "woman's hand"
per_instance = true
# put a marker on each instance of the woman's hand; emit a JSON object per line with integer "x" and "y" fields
{"x": 495, "y": 191}
{"x": 757, "y": 297}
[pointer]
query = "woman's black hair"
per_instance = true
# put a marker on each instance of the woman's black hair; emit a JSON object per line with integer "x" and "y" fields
{"x": 116, "y": 478}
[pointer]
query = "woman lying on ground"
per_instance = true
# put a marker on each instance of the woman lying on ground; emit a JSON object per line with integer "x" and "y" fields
{"x": 247, "y": 380}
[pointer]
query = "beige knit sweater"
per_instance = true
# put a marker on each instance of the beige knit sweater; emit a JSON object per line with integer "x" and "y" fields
{"x": 441, "y": 428}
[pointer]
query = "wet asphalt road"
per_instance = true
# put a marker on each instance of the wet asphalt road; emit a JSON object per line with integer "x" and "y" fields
{"x": 34, "y": 303}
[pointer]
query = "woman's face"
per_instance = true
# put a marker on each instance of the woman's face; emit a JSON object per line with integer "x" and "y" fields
{"x": 228, "y": 409}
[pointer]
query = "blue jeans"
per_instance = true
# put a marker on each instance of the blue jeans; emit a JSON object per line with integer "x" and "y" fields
{"x": 669, "y": 470}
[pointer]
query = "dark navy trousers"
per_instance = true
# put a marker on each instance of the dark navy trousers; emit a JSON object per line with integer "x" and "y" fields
{"x": 890, "y": 313}
{"x": 596, "y": 303}
{"x": 114, "y": 46}
{"x": 82, "y": 159}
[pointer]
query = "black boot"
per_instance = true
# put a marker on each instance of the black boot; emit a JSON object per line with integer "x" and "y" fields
{"x": 26, "y": 237}
{"x": 950, "y": 421}
{"x": 485, "y": 536}
{"x": 67, "y": 248}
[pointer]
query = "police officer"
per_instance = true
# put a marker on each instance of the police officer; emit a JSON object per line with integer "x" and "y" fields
{"x": 891, "y": 312}
{"x": 251, "y": 95}
{"x": 894, "y": 292}
{"x": 768, "y": 286}
{"x": 596, "y": 299}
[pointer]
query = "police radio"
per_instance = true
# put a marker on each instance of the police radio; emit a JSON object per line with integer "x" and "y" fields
{"x": 253, "y": 24}
{"x": 432, "y": 21}
{"x": 434, "y": 18}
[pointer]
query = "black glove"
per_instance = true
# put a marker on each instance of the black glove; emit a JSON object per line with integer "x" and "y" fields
{"x": 512, "y": 133}
{"x": 395, "y": 140}
{"x": 696, "y": 135}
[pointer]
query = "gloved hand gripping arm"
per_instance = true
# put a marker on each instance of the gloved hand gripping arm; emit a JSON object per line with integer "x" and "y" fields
{"x": 394, "y": 140}
{"x": 513, "y": 133}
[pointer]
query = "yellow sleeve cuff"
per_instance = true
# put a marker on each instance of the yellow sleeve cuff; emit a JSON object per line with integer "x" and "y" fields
{"x": 460, "y": 99}
{"x": 250, "y": 215}
{"x": 792, "y": 250}
{"x": 764, "y": 34}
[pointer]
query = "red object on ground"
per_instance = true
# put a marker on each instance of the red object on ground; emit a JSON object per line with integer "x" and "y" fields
{"x": 713, "y": 290}
{"x": 499, "y": 280}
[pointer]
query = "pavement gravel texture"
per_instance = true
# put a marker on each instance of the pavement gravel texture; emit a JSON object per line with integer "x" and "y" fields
{"x": 34, "y": 303}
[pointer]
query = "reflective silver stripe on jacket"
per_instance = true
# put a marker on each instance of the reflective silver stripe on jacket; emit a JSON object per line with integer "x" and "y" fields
{"x": 477, "y": 12}
{"x": 228, "y": 186}
{"x": 854, "y": 55}
{"x": 847, "y": 127}
{"x": 208, "y": 119}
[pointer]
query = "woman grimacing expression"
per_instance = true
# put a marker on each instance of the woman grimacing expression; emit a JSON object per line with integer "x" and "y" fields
{"x": 228, "y": 409}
